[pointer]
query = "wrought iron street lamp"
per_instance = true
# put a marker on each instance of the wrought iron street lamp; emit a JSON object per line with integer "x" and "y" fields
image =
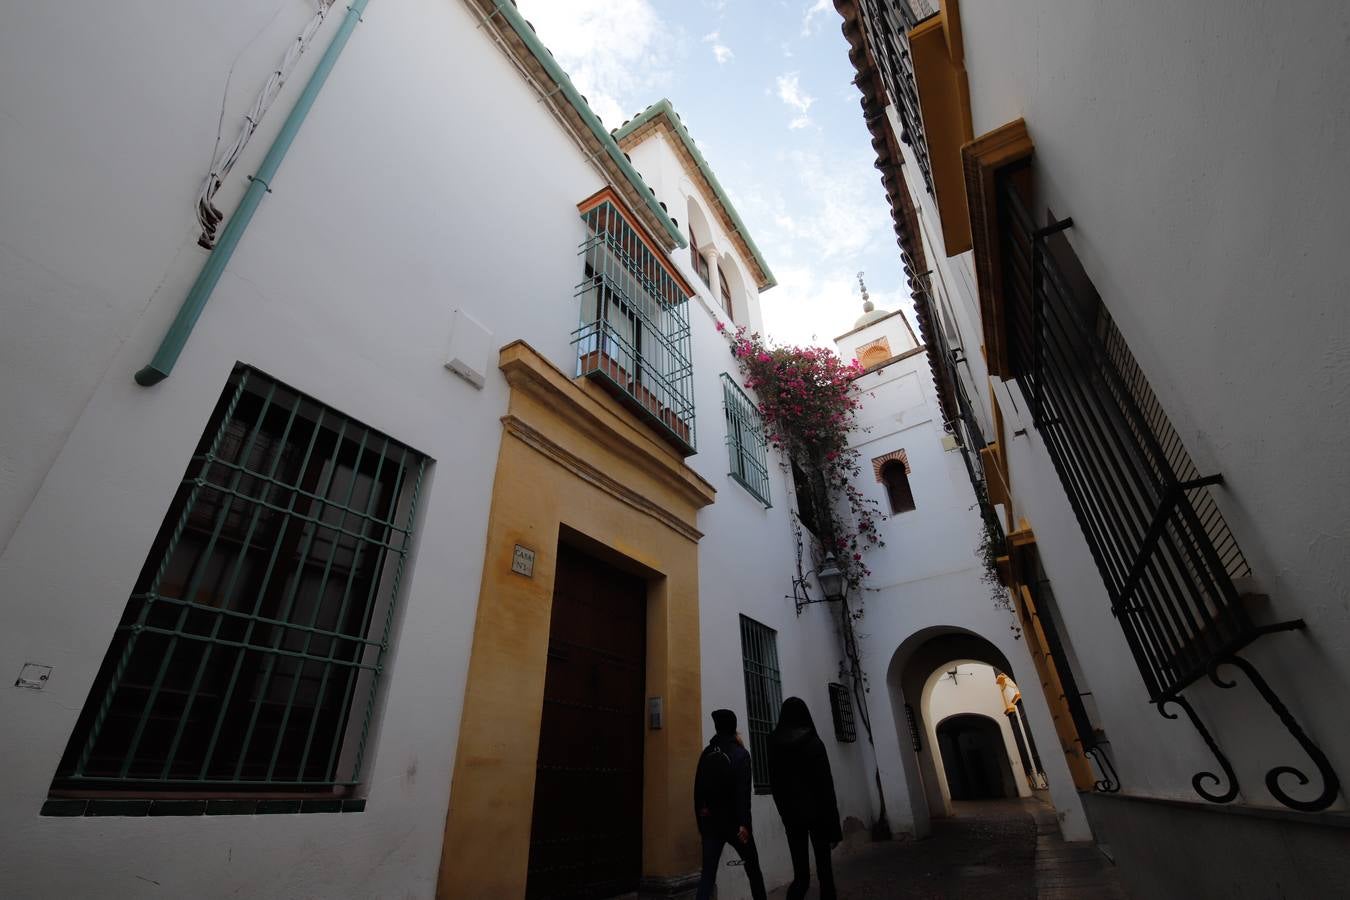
{"x": 831, "y": 579}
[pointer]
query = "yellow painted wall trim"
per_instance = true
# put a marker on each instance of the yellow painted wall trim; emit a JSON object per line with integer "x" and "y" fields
{"x": 599, "y": 418}
{"x": 592, "y": 475}
{"x": 573, "y": 467}
{"x": 937, "y": 48}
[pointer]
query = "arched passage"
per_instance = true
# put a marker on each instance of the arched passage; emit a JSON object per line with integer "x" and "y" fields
{"x": 908, "y": 678}
{"x": 974, "y": 759}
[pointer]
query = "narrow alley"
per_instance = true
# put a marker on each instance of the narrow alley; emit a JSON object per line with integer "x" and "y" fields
{"x": 1006, "y": 849}
{"x": 546, "y": 449}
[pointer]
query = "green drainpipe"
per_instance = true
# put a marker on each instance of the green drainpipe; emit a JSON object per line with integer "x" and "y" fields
{"x": 174, "y": 339}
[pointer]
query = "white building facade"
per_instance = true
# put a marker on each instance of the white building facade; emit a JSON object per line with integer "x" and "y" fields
{"x": 928, "y": 605}
{"x": 302, "y": 542}
{"x": 1133, "y": 322}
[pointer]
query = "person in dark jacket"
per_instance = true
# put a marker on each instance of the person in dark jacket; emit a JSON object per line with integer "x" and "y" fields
{"x": 722, "y": 805}
{"x": 803, "y": 791}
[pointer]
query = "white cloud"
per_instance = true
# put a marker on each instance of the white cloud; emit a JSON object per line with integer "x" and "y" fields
{"x": 613, "y": 50}
{"x": 720, "y": 50}
{"x": 812, "y": 305}
{"x": 844, "y": 212}
{"x": 808, "y": 20}
{"x": 791, "y": 93}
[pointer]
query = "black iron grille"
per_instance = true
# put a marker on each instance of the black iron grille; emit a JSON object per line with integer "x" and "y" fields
{"x": 249, "y": 653}
{"x": 841, "y": 709}
{"x": 1164, "y": 552}
{"x": 763, "y": 693}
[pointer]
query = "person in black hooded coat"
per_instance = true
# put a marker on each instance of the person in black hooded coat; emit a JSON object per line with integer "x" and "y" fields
{"x": 803, "y": 791}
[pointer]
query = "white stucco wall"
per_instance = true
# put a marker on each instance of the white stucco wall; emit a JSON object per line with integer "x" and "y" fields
{"x": 928, "y": 579}
{"x": 428, "y": 178}
{"x": 660, "y": 164}
{"x": 344, "y": 286}
{"x": 1206, "y": 189}
{"x": 746, "y": 562}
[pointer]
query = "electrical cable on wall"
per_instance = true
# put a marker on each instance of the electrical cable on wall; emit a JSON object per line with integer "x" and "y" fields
{"x": 207, "y": 214}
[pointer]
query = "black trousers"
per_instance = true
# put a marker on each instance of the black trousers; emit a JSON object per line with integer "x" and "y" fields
{"x": 712, "y": 856}
{"x": 801, "y": 867}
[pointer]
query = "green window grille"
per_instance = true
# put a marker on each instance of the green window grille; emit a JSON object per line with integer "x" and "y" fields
{"x": 841, "y": 710}
{"x": 634, "y": 332}
{"x": 250, "y": 652}
{"x": 763, "y": 693}
{"x": 746, "y": 445}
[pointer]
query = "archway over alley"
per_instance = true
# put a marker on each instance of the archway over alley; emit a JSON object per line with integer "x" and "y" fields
{"x": 957, "y": 748}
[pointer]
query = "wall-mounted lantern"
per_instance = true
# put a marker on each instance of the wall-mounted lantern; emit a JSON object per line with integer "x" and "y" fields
{"x": 831, "y": 579}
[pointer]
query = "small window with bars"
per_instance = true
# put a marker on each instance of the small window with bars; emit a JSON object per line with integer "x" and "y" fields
{"x": 763, "y": 694}
{"x": 746, "y": 445}
{"x": 249, "y": 655}
{"x": 841, "y": 708}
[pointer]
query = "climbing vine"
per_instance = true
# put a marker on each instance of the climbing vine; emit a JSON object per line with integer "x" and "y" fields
{"x": 809, "y": 402}
{"x": 992, "y": 546}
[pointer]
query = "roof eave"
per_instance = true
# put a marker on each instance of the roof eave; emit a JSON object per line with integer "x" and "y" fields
{"x": 764, "y": 277}
{"x": 586, "y": 124}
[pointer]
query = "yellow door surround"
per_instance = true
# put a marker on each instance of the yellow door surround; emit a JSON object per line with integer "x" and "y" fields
{"x": 576, "y": 466}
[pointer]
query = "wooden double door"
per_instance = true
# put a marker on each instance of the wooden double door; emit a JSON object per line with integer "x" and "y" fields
{"x": 586, "y": 833}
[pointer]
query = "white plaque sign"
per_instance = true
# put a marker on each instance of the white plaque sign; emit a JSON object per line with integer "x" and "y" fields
{"x": 522, "y": 562}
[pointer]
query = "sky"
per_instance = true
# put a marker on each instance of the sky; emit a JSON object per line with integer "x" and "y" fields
{"x": 765, "y": 89}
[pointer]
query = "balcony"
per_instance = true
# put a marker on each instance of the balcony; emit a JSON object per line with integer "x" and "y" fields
{"x": 633, "y": 338}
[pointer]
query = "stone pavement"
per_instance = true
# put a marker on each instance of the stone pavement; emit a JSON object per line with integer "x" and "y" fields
{"x": 1010, "y": 850}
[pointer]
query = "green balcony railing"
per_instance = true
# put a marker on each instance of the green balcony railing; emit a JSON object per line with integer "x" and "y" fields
{"x": 634, "y": 332}
{"x": 249, "y": 655}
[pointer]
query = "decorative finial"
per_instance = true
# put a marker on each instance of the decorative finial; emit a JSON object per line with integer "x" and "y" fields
{"x": 867, "y": 302}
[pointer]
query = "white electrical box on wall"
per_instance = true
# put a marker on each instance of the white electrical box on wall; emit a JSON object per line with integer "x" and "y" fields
{"x": 470, "y": 349}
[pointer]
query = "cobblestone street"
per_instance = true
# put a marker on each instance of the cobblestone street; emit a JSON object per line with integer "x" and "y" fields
{"x": 1003, "y": 849}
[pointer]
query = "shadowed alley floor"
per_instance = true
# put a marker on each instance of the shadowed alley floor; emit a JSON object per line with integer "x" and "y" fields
{"x": 1007, "y": 849}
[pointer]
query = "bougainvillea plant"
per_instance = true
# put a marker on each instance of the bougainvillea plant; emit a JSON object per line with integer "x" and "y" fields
{"x": 809, "y": 401}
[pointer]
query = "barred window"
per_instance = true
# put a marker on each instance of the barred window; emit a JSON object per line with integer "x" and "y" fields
{"x": 1166, "y": 556}
{"x": 746, "y": 445}
{"x": 841, "y": 708}
{"x": 249, "y": 654}
{"x": 763, "y": 693}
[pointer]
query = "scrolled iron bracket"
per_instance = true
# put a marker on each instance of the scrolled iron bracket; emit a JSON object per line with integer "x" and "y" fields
{"x": 1198, "y": 780}
{"x": 1331, "y": 783}
{"x": 801, "y": 595}
{"x": 1110, "y": 781}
